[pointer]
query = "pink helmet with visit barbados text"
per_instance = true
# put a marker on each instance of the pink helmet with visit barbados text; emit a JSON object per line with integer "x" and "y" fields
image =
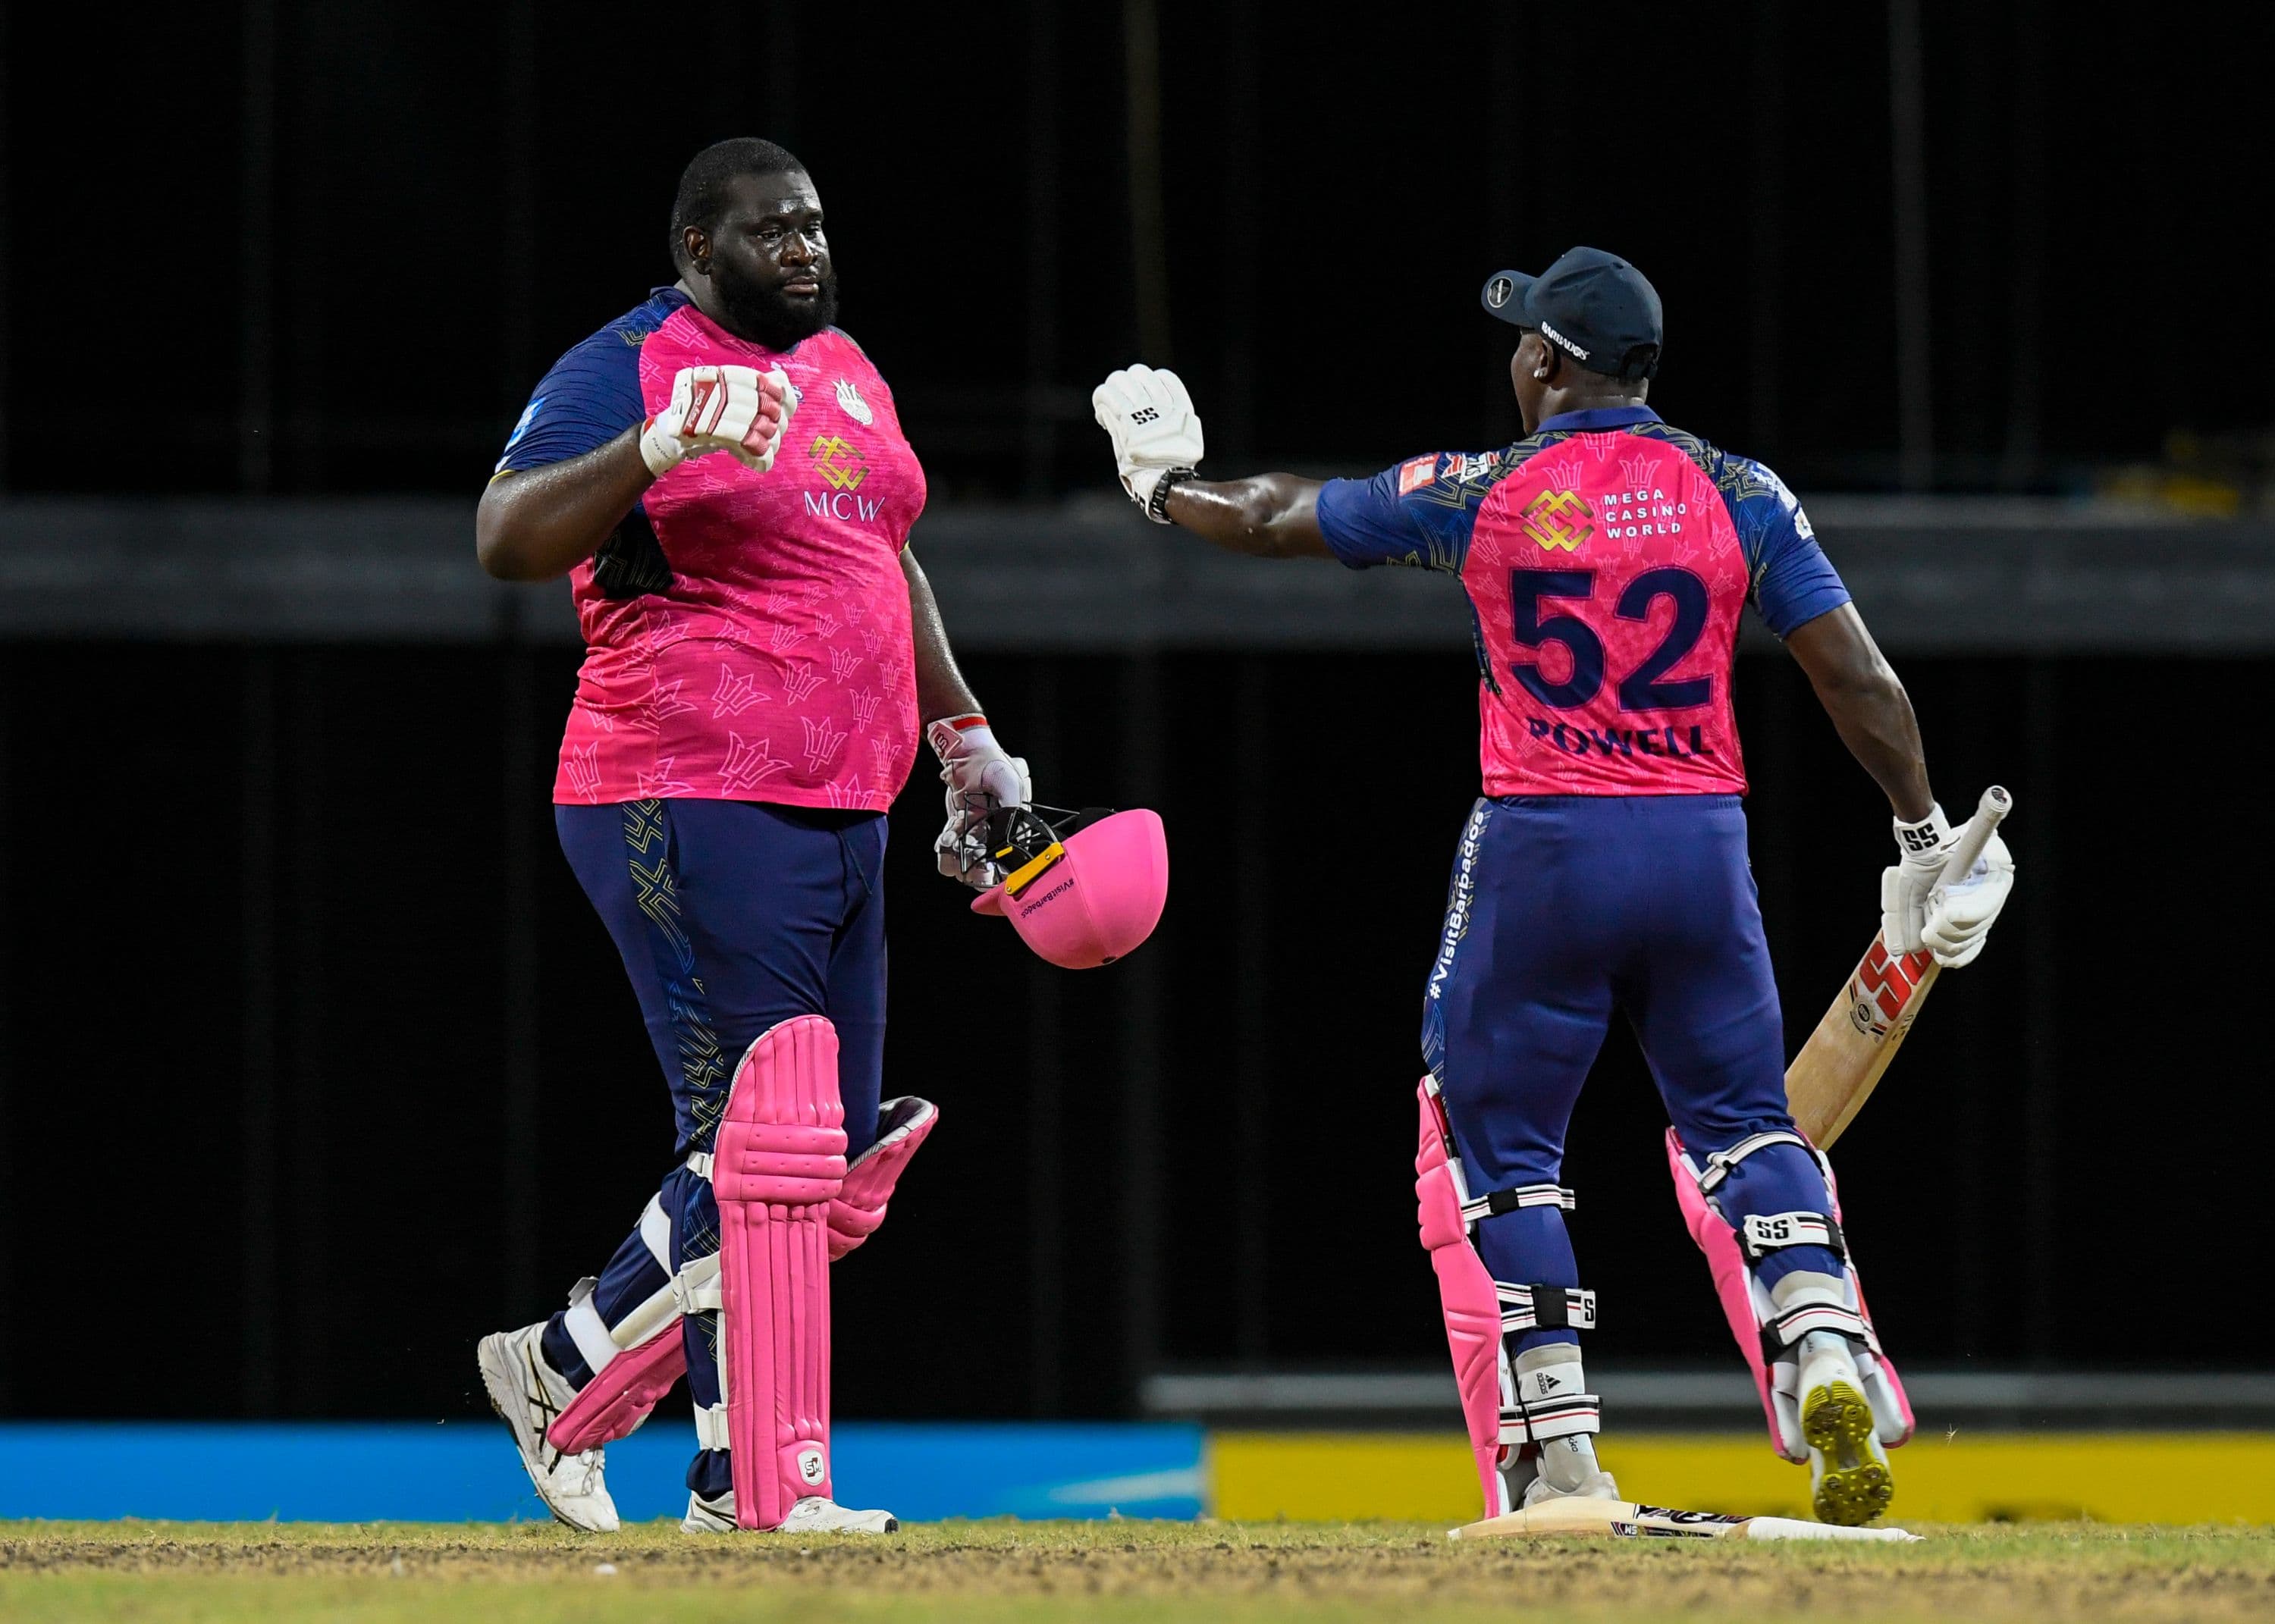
{"x": 1081, "y": 889}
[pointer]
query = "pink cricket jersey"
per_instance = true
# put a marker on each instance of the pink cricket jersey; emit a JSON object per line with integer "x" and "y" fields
{"x": 747, "y": 634}
{"x": 1606, "y": 559}
{"x": 1619, "y": 579}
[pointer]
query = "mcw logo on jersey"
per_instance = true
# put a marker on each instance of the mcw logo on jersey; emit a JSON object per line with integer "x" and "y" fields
{"x": 841, "y": 468}
{"x": 839, "y": 462}
{"x": 1557, "y": 519}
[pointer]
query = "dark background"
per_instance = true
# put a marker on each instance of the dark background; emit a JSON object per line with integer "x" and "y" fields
{"x": 349, "y": 238}
{"x": 306, "y": 1032}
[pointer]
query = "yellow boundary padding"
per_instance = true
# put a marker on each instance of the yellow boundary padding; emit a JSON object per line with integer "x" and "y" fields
{"x": 1962, "y": 1477}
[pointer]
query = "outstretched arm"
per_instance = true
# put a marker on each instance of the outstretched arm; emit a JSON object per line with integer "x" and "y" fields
{"x": 1271, "y": 516}
{"x": 1157, "y": 443}
{"x": 1869, "y": 706}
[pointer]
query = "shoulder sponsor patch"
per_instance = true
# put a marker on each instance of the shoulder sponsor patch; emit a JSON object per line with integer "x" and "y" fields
{"x": 1416, "y": 472}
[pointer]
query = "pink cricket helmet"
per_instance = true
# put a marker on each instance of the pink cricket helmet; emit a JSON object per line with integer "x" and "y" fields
{"x": 1082, "y": 892}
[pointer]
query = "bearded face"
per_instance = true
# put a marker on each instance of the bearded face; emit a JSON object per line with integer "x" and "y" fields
{"x": 767, "y": 262}
{"x": 766, "y": 312}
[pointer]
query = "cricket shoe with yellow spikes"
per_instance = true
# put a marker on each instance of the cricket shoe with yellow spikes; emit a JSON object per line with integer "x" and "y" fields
{"x": 527, "y": 1392}
{"x": 811, "y": 1515}
{"x": 1849, "y": 1480}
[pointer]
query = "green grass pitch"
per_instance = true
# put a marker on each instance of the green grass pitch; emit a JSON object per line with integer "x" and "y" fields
{"x": 126, "y": 1573}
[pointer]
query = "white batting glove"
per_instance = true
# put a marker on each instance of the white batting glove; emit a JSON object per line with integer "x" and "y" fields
{"x": 1960, "y": 914}
{"x": 1155, "y": 429}
{"x": 1923, "y": 848}
{"x": 738, "y": 410}
{"x": 981, "y": 778}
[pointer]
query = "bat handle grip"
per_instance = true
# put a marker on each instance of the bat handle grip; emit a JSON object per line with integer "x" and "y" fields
{"x": 1989, "y": 813}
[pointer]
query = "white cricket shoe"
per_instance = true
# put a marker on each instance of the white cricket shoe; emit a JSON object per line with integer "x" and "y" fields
{"x": 1849, "y": 1479}
{"x": 811, "y": 1515}
{"x": 527, "y": 1393}
{"x": 1596, "y": 1486}
{"x": 1563, "y": 1469}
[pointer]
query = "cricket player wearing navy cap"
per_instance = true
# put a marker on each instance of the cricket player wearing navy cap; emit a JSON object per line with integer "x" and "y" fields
{"x": 1606, "y": 556}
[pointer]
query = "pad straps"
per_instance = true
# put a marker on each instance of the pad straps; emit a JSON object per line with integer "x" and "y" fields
{"x": 1493, "y": 1204}
{"x": 1781, "y": 1331}
{"x": 1813, "y": 1309}
{"x": 1761, "y": 1235}
{"x": 1550, "y": 1403}
{"x": 1719, "y": 1164}
{"x": 1544, "y": 1307}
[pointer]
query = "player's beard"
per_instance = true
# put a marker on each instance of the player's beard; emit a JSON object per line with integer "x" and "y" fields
{"x": 765, "y": 316}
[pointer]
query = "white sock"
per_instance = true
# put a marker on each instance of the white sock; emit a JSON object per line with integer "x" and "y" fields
{"x": 1567, "y": 1463}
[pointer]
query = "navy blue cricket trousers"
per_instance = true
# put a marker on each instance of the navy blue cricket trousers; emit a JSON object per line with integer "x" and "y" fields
{"x": 1562, "y": 910}
{"x": 732, "y": 917}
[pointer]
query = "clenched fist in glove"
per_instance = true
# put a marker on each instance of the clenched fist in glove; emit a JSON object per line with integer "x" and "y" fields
{"x": 981, "y": 778}
{"x": 1157, "y": 434}
{"x": 738, "y": 410}
{"x": 1918, "y": 911}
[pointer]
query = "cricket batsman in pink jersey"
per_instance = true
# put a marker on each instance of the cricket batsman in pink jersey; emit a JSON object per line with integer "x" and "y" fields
{"x": 721, "y": 475}
{"x": 1606, "y": 557}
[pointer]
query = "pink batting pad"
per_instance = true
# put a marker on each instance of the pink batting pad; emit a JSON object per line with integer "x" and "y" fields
{"x": 1857, "y": 1284}
{"x": 1732, "y": 1283}
{"x": 778, "y": 1162}
{"x": 871, "y": 1180}
{"x": 1466, "y": 1296}
{"x": 620, "y": 1396}
{"x": 1098, "y": 902}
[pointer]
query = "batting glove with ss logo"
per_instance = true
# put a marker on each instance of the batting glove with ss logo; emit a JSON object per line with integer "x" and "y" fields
{"x": 1156, "y": 432}
{"x": 1950, "y": 916}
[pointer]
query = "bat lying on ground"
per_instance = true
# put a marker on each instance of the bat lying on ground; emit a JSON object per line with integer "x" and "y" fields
{"x": 1622, "y": 1520}
{"x": 1835, "y": 1071}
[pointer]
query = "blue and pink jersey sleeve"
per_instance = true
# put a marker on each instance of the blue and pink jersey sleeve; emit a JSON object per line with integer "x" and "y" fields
{"x": 1419, "y": 513}
{"x": 1794, "y": 582}
{"x": 592, "y": 392}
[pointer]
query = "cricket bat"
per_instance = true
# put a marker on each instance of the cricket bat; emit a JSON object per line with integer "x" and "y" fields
{"x": 1836, "y": 1071}
{"x": 1564, "y": 1519}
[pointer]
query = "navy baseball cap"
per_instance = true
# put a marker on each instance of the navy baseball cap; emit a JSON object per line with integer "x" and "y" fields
{"x": 1595, "y": 307}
